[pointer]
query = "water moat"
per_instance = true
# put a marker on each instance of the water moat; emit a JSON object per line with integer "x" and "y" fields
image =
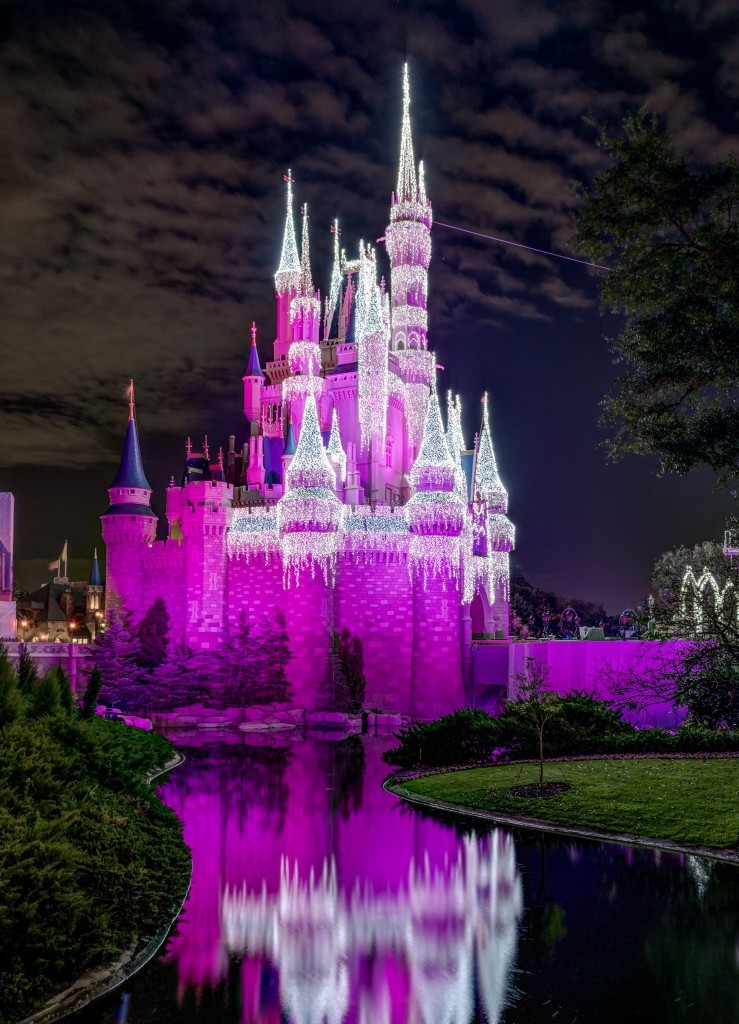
{"x": 317, "y": 896}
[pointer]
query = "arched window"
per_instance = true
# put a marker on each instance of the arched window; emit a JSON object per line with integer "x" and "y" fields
{"x": 389, "y": 451}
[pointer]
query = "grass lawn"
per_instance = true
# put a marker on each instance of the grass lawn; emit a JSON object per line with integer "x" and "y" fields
{"x": 691, "y": 800}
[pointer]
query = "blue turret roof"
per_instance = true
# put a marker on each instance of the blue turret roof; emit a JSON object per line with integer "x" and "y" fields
{"x": 290, "y": 445}
{"x": 95, "y": 577}
{"x": 254, "y": 369}
{"x": 131, "y": 470}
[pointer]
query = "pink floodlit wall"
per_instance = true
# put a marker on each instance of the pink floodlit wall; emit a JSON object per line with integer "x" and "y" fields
{"x": 598, "y": 665}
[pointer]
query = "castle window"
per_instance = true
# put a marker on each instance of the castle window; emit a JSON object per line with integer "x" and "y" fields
{"x": 389, "y": 452}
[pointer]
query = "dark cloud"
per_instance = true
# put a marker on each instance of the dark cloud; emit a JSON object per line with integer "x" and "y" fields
{"x": 143, "y": 147}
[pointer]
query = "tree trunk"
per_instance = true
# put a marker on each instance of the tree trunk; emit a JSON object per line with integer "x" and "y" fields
{"x": 541, "y": 756}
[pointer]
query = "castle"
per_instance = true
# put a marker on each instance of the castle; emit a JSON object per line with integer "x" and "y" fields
{"x": 349, "y": 505}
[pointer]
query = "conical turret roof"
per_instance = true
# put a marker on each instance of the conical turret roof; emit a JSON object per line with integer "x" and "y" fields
{"x": 253, "y": 368}
{"x": 288, "y": 272}
{"x": 487, "y": 479}
{"x": 95, "y": 577}
{"x": 131, "y": 469}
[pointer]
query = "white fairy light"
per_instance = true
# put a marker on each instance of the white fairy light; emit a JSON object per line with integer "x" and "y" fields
{"x": 434, "y": 466}
{"x": 407, "y": 170}
{"x": 415, "y": 397}
{"x": 488, "y": 485}
{"x": 372, "y": 357}
{"x": 301, "y": 386}
{"x": 335, "y": 286}
{"x": 287, "y": 276}
{"x": 253, "y": 533}
{"x": 304, "y": 356}
{"x": 335, "y": 450}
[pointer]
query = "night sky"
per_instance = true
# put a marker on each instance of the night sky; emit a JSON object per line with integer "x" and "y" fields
{"x": 142, "y": 148}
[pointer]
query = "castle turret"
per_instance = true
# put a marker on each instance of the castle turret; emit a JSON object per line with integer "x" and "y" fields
{"x": 94, "y": 597}
{"x": 336, "y": 454}
{"x": 287, "y": 277}
{"x": 333, "y": 303}
{"x": 494, "y": 533}
{"x": 436, "y": 520}
{"x": 408, "y": 240}
{"x": 129, "y": 523}
{"x": 253, "y": 384}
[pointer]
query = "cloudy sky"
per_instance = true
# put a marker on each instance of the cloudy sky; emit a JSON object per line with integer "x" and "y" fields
{"x": 141, "y": 196}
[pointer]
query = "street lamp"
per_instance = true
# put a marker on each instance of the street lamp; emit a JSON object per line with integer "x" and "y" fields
{"x": 96, "y": 622}
{"x": 72, "y": 627}
{"x": 24, "y": 627}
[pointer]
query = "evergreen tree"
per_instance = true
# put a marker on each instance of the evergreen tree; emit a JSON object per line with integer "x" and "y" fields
{"x": 178, "y": 681}
{"x": 237, "y": 663}
{"x": 92, "y": 692}
{"x": 66, "y": 696}
{"x": 115, "y": 653}
{"x": 27, "y": 674}
{"x": 11, "y": 701}
{"x": 272, "y": 655}
{"x": 669, "y": 233}
{"x": 46, "y": 698}
{"x": 351, "y": 659}
{"x": 153, "y": 635}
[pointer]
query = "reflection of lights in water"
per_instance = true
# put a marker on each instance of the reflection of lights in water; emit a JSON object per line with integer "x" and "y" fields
{"x": 452, "y": 925}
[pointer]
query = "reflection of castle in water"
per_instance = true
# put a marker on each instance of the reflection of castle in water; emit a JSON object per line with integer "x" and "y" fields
{"x": 454, "y": 926}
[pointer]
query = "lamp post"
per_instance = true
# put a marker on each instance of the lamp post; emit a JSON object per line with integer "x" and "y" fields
{"x": 72, "y": 627}
{"x": 96, "y": 623}
{"x": 24, "y": 627}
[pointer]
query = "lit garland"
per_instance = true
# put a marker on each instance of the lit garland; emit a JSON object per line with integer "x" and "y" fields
{"x": 432, "y": 556}
{"x": 304, "y": 356}
{"x": 416, "y": 398}
{"x": 253, "y": 533}
{"x": 501, "y": 533}
{"x": 455, "y": 443}
{"x": 372, "y": 359}
{"x": 335, "y": 451}
{"x": 287, "y": 277}
{"x": 301, "y": 386}
{"x": 380, "y": 530}
{"x": 416, "y": 365}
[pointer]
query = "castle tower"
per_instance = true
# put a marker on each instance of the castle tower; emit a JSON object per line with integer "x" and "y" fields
{"x": 253, "y": 384}
{"x": 436, "y": 519}
{"x": 372, "y": 362}
{"x": 287, "y": 277}
{"x": 129, "y": 525}
{"x": 309, "y": 517}
{"x": 495, "y": 534}
{"x": 94, "y": 597}
{"x": 408, "y": 241}
{"x": 337, "y": 455}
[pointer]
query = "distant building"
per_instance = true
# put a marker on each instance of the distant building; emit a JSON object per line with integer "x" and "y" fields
{"x": 7, "y": 604}
{"x": 63, "y": 611}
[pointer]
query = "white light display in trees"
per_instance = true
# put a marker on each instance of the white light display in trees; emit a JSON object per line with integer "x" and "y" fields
{"x": 335, "y": 450}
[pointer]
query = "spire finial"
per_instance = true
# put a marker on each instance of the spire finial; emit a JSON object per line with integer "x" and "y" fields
{"x": 131, "y": 401}
{"x": 306, "y": 279}
{"x": 206, "y": 453}
{"x": 188, "y": 447}
{"x": 288, "y": 272}
{"x": 220, "y": 457}
{"x": 407, "y": 169}
{"x": 253, "y": 332}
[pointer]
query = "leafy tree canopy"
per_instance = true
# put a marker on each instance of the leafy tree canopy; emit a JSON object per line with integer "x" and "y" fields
{"x": 669, "y": 233}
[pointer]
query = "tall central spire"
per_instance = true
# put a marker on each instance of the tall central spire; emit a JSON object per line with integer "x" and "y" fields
{"x": 407, "y": 168}
{"x": 306, "y": 278}
{"x": 288, "y": 272}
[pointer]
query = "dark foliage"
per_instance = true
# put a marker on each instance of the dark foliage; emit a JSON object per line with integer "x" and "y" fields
{"x": 26, "y": 671}
{"x": 153, "y": 636}
{"x": 92, "y": 692}
{"x": 584, "y": 725}
{"x": 670, "y": 235}
{"x": 90, "y": 860}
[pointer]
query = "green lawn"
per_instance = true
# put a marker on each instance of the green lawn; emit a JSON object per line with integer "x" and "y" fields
{"x": 691, "y": 801}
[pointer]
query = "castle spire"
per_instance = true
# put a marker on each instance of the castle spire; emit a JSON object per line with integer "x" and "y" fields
{"x": 287, "y": 276}
{"x": 96, "y": 579}
{"x": 306, "y": 278}
{"x": 488, "y": 484}
{"x": 407, "y": 168}
{"x": 335, "y": 287}
{"x": 335, "y": 450}
{"x": 253, "y": 368}
{"x": 131, "y": 468}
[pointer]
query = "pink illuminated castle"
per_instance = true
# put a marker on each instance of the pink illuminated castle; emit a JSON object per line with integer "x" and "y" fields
{"x": 350, "y": 504}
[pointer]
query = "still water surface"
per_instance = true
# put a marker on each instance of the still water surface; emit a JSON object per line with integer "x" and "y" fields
{"x": 316, "y": 896}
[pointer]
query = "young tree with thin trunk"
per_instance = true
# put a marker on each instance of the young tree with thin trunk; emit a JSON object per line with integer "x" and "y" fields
{"x": 537, "y": 703}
